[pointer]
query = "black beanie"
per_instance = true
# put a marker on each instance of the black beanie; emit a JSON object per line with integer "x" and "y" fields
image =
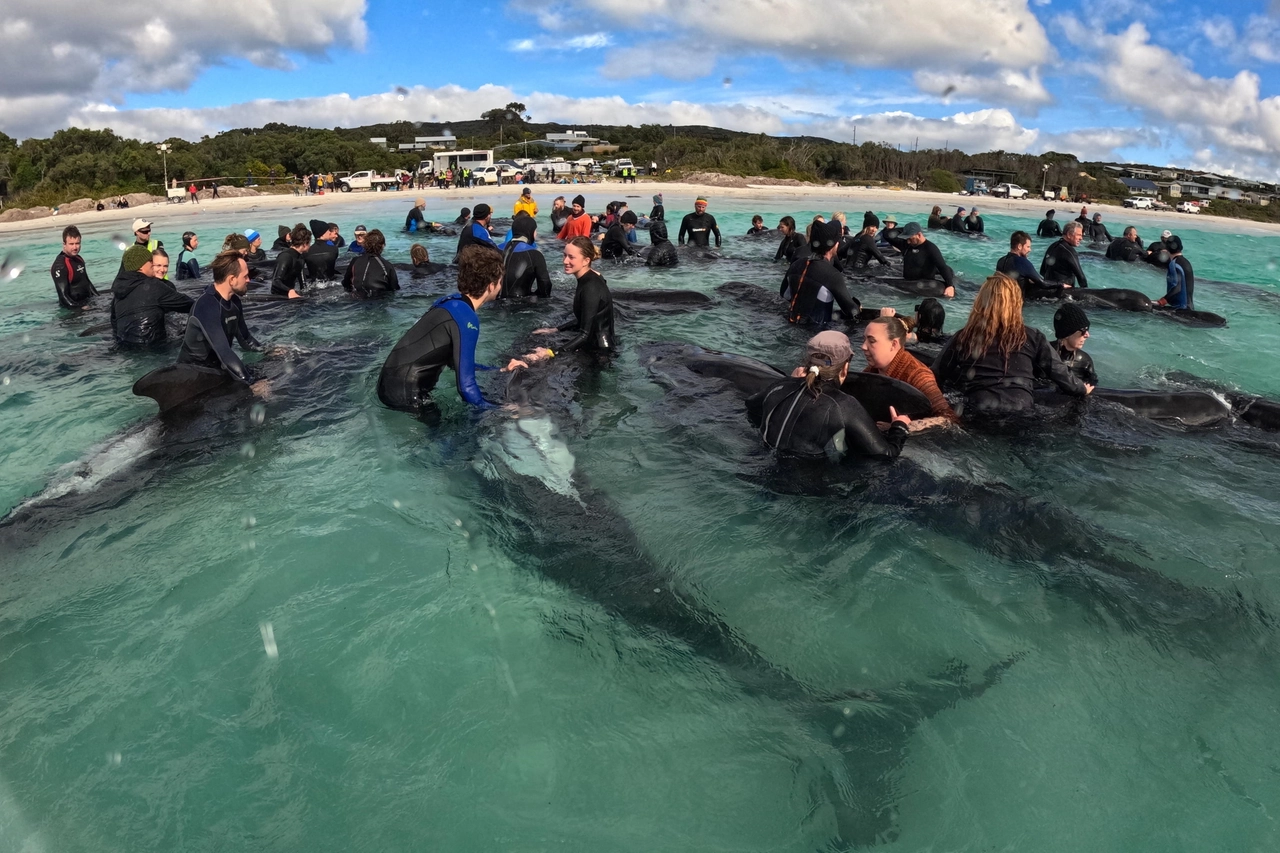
{"x": 482, "y": 211}
{"x": 869, "y": 219}
{"x": 629, "y": 217}
{"x": 282, "y": 230}
{"x": 1069, "y": 320}
{"x": 658, "y": 232}
{"x": 523, "y": 226}
{"x": 824, "y": 235}
{"x": 580, "y": 201}
{"x": 1173, "y": 243}
{"x": 1048, "y": 214}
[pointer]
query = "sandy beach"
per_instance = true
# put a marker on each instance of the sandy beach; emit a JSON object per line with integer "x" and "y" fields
{"x": 851, "y": 199}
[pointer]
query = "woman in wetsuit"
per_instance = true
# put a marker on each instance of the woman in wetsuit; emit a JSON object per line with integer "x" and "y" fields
{"x": 592, "y": 319}
{"x": 883, "y": 345}
{"x": 793, "y": 245}
{"x": 188, "y": 267}
{"x": 807, "y": 416}
{"x": 525, "y": 269}
{"x": 995, "y": 359}
{"x": 936, "y": 219}
{"x": 369, "y": 274}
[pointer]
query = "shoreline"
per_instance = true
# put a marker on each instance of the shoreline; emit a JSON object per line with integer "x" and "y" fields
{"x": 852, "y": 199}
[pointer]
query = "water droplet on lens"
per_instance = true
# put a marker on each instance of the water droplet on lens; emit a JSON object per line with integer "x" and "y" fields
{"x": 474, "y": 567}
{"x": 114, "y": 759}
{"x": 838, "y": 731}
{"x": 457, "y": 522}
{"x": 10, "y": 268}
{"x": 395, "y": 504}
{"x": 120, "y": 242}
{"x": 848, "y": 712}
{"x": 249, "y": 522}
{"x": 258, "y": 414}
{"x": 5, "y": 381}
{"x": 26, "y": 339}
{"x": 269, "y": 640}
{"x": 248, "y": 451}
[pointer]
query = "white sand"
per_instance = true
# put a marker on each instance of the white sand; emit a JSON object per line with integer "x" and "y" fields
{"x": 850, "y": 199}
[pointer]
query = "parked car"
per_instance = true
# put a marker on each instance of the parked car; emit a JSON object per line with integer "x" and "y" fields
{"x": 489, "y": 174}
{"x": 1188, "y": 207}
{"x": 1139, "y": 202}
{"x": 1009, "y": 191}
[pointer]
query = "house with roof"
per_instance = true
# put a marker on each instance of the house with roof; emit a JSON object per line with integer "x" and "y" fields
{"x": 1139, "y": 186}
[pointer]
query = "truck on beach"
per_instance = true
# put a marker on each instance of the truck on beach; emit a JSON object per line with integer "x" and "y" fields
{"x": 369, "y": 180}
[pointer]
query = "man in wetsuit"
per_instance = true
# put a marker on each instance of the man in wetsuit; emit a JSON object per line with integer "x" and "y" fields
{"x": 1083, "y": 218}
{"x": 921, "y": 258}
{"x": 446, "y": 336}
{"x": 139, "y": 301}
{"x": 615, "y": 244}
{"x": 956, "y": 225}
{"x": 1157, "y": 253}
{"x": 1126, "y": 248}
{"x": 477, "y": 232}
{"x": 322, "y": 258}
{"x": 1098, "y": 232}
{"x": 464, "y": 216}
{"x": 70, "y": 278}
{"x": 663, "y": 253}
{"x": 973, "y": 223}
{"x": 1071, "y": 328}
{"x": 141, "y": 237}
{"x": 812, "y": 284}
{"x": 1180, "y": 280}
{"x": 1049, "y": 226}
{"x": 287, "y": 277}
{"x": 415, "y": 221}
{"x": 1061, "y": 264}
{"x": 1017, "y": 267}
{"x": 698, "y": 226}
{"x": 217, "y": 319}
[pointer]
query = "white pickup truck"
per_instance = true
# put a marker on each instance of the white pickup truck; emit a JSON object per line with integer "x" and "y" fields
{"x": 1009, "y": 191}
{"x": 369, "y": 180}
{"x": 1188, "y": 207}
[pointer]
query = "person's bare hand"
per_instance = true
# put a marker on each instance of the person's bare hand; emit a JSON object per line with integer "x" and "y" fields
{"x": 1088, "y": 389}
{"x": 539, "y": 354}
{"x": 261, "y": 389}
{"x": 546, "y": 330}
{"x": 888, "y": 312}
{"x": 949, "y": 292}
{"x": 514, "y": 364}
{"x": 798, "y": 373}
{"x": 293, "y": 294}
{"x": 899, "y": 419}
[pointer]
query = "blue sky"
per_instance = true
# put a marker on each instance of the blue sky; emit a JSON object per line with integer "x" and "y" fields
{"x": 1169, "y": 82}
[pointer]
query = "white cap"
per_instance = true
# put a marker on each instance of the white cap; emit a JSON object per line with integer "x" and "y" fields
{"x": 139, "y": 224}
{"x": 1164, "y": 234}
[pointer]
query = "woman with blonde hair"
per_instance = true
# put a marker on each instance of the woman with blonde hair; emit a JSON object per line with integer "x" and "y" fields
{"x": 996, "y": 358}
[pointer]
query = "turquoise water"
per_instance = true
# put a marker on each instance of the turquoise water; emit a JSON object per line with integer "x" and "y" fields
{"x": 431, "y": 688}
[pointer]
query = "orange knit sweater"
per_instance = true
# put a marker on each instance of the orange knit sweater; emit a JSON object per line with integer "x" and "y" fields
{"x": 905, "y": 367}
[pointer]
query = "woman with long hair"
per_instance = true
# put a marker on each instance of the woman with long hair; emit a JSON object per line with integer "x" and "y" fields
{"x": 996, "y": 358}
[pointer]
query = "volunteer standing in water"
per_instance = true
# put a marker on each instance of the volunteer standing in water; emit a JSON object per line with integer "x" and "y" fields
{"x": 1061, "y": 264}
{"x": 592, "y": 318}
{"x": 70, "y": 277}
{"x": 579, "y": 222}
{"x": 809, "y": 417}
{"x": 699, "y": 226}
{"x": 1180, "y": 281}
{"x": 883, "y": 345}
{"x": 217, "y": 318}
{"x": 996, "y": 359}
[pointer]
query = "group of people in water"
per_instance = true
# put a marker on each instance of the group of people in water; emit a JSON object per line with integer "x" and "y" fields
{"x": 995, "y": 361}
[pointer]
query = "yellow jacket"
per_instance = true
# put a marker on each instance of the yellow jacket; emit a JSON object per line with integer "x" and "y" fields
{"x": 528, "y": 205}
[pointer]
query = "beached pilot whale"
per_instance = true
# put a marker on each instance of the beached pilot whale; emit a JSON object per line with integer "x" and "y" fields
{"x": 539, "y": 507}
{"x": 1066, "y": 553}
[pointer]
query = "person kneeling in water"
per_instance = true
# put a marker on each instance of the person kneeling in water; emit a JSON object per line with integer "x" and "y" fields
{"x": 446, "y": 336}
{"x": 663, "y": 253}
{"x": 1017, "y": 267}
{"x": 1071, "y": 327}
{"x": 995, "y": 359}
{"x": 813, "y": 283}
{"x": 217, "y": 318}
{"x": 930, "y": 318}
{"x": 882, "y": 344}
{"x": 369, "y": 274}
{"x": 809, "y": 417}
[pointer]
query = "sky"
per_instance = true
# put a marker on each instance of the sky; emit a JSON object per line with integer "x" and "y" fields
{"x": 1168, "y": 83}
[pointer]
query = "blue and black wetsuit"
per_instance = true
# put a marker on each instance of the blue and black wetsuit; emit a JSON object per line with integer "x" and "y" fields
{"x": 1024, "y": 272}
{"x": 415, "y": 221}
{"x": 187, "y": 267}
{"x": 1180, "y": 284}
{"x": 445, "y": 336}
{"x": 475, "y": 234}
{"x": 213, "y": 324}
{"x": 524, "y": 271}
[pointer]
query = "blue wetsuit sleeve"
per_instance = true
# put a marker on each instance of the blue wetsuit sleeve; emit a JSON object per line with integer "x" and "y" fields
{"x": 1174, "y": 285}
{"x": 1027, "y": 270}
{"x": 464, "y": 358}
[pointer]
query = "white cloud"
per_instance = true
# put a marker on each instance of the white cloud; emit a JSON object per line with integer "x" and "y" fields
{"x": 1258, "y": 38}
{"x": 523, "y": 45}
{"x": 102, "y": 50}
{"x": 589, "y": 42}
{"x": 1002, "y": 86}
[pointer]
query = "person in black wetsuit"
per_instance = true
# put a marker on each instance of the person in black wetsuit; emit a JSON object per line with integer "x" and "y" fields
{"x": 415, "y": 221}
{"x": 322, "y": 258}
{"x": 659, "y": 210}
{"x": 1127, "y": 248}
{"x": 936, "y": 219}
{"x": 793, "y": 245}
{"x": 1071, "y": 328}
{"x": 889, "y": 233}
{"x": 255, "y": 255}
{"x": 187, "y": 267}
{"x": 287, "y": 277}
{"x": 1061, "y": 264}
{"x": 807, "y": 416}
{"x": 139, "y": 301}
{"x": 862, "y": 248}
{"x": 446, "y": 336}
{"x": 698, "y": 226}
{"x": 1083, "y": 219}
{"x": 1049, "y": 226}
{"x": 930, "y": 319}
{"x": 217, "y": 319}
{"x": 1098, "y": 232}
{"x": 592, "y": 320}
{"x": 282, "y": 238}
{"x": 1017, "y": 267}
{"x": 615, "y": 244}
{"x": 957, "y": 221}
{"x": 663, "y": 253}
{"x": 477, "y": 232}
{"x": 757, "y": 226}
{"x": 1157, "y": 253}
{"x": 973, "y": 223}
{"x": 369, "y": 274}
{"x": 70, "y": 277}
{"x": 524, "y": 266}
{"x": 996, "y": 359}
{"x": 464, "y": 216}
{"x": 420, "y": 258}
{"x": 812, "y": 285}
{"x": 921, "y": 259}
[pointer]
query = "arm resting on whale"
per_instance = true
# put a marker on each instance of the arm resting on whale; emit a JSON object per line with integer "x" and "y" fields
{"x": 1049, "y": 366}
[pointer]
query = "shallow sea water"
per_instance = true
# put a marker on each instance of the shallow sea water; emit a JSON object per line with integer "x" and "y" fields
{"x": 313, "y": 633}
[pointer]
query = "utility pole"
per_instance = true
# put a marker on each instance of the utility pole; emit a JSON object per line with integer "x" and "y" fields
{"x": 1043, "y": 178}
{"x": 163, "y": 148}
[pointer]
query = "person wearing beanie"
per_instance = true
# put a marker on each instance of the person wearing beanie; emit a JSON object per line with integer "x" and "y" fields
{"x": 1097, "y": 232}
{"x": 477, "y": 233}
{"x": 973, "y": 223}
{"x": 287, "y": 275}
{"x": 957, "y": 221}
{"x": 922, "y": 260}
{"x": 863, "y": 248}
{"x": 1083, "y": 218}
{"x": 464, "y": 216}
{"x": 659, "y": 209}
{"x": 1061, "y": 264}
{"x": 525, "y": 204}
{"x": 1180, "y": 280}
{"x": 1049, "y": 226}
{"x": 698, "y": 226}
{"x": 255, "y": 254}
{"x": 615, "y": 244}
{"x": 813, "y": 286}
{"x": 282, "y": 238}
{"x": 663, "y": 252}
{"x": 936, "y": 220}
{"x": 1017, "y": 267}
{"x": 139, "y": 301}
{"x": 321, "y": 260}
{"x": 807, "y": 416}
{"x": 579, "y": 222}
{"x": 1071, "y": 328}
{"x": 524, "y": 266}
{"x": 415, "y": 221}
